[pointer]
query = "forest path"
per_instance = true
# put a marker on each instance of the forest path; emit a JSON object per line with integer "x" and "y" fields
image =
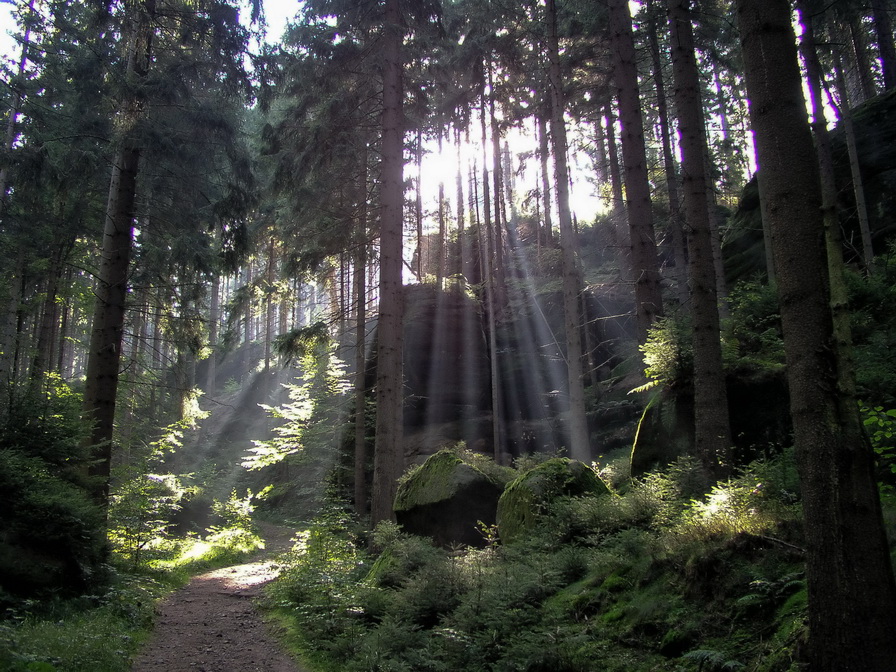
{"x": 212, "y": 624}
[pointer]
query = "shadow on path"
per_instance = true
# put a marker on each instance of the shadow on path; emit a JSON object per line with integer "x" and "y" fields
{"x": 212, "y": 624}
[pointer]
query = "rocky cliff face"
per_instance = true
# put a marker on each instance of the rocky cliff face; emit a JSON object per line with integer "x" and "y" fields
{"x": 875, "y": 126}
{"x": 448, "y": 369}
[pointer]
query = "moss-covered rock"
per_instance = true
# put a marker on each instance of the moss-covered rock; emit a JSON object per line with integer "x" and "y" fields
{"x": 525, "y": 499}
{"x": 446, "y": 499}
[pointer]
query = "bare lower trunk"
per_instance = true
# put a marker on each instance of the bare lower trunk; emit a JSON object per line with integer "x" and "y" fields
{"x": 883, "y": 30}
{"x": 644, "y": 260}
{"x": 360, "y": 277}
{"x": 855, "y": 168}
{"x": 360, "y": 470}
{"x": 389, "y": 450}
{"x": 621, "y": 237}
{"x": 104, "y": 356}
{"x": 579, "y": 447}
{"x": 101, "y": 381}
{"x": 544, "y": 156}
{"x": 852, "y": 595}
{"x": 676, "y": 229}
{"x": 18, "y": 97}
{"x": 213, "y": 317}
{"x": 712, "y": 432}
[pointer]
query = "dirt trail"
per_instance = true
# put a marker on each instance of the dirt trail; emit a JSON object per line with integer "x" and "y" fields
{"x": 212, "y": 625}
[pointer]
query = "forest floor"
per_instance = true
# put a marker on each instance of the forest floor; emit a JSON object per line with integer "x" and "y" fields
{"x": 213, "y": 625}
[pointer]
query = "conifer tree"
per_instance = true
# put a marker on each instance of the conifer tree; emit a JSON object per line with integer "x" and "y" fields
{"x": 389, "y": 450}
{"x": 712, "y": 436}
{"x": 644, "y": 259}
{"x": 852, "y": 594}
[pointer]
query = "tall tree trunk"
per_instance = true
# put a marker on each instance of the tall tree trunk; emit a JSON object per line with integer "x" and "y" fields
{"x": 488, "y": 275}
{"x": 477, "y": 261}
{"x": 679, "y": 253}
{"x": 487, "y": 223}
{"x": 360, "y": 470}
{"x": 645, "y": 262}
{"x": 579, "y": 448}
{"x": 67, "y": 318}
{"x": 214, "y": 315}
{"x": 389, "y": 451}
{"x": 712, "y": 429}
{"x": 852, "y": 594}
{"x": 715, "y": 235}
{"x": 511, "y": 221}
{"x": 547, "y": 236}
{"x": 101, "y": 383}
{"x": 247, "y": 325}
{"x": 49, "y": 320}
{"x": 443, "y": 234}
{"x": 9, "y": 324}
{"x": 858, "y": 38}
{"x": 463, "y": 251}
{"x": 18, "y": 97}
{"x": 498, "y": 191}
{"x": 360, "y": 290}
{"x": 418, "y": 205}
{"x": 883, "y": 30}
{"x": 601, "y": 167}
{"x": 621, "y": 235}
{"x": 269, "y": 305}
{"x": 833, "y": 239}
{"x": 855, "y": 168}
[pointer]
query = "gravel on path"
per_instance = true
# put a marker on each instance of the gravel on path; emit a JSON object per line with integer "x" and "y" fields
{"x": 212, "y": 625}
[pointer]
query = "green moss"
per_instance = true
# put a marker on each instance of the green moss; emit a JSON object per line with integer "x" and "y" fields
{"x": 615, "y": 614}
{"x": 580, "y": 599}
{"x": 526, "y": 497}
{"x": 796, "y": 604}
{"x": 434, "y": 481}
{"x": 615, "y": 583}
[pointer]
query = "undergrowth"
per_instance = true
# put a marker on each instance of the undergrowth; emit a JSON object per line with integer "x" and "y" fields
{"x": 648, "y": 578}
{"x": 100, "y": 633}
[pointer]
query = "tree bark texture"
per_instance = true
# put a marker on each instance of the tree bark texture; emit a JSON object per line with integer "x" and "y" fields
{"x": 855, "y": 168}
{"x": 833, "y": 238}
{"x": 620, "y": 237}
{"x": 389, "y": 451}
{"x": 676, "y": 229}
{"x": 644, "y": 259}
{"x": 579, "y": 448}
{"x": 104, "y": 356}
{"x": 214, "y": 315}
{"x": 547, "y": 237}
{"x": 712, "y": 435}
{"x": 18, "y": 97}
{"x": 360, "y": 283}
{"x": 360, "y": 470}
{"x": 883, "y": 30}
{"x": 852, "y": 597}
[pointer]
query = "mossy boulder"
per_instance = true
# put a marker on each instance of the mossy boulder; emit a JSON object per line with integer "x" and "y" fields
{"x": 446, "y": 498}
{"x": 526, "y": 498}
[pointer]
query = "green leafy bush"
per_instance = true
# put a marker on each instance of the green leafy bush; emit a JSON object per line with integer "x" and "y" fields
{"x": 880, "y": 424}
{"x": 51, "y": 532}
{"x": 99, "y": 635}
{"x": 753, "y": 332}
{"x": 668, "y": 353}
{"x": 320, "y": 582}
{"x": 653, "y": 574}
{"x": 140, "y": 513}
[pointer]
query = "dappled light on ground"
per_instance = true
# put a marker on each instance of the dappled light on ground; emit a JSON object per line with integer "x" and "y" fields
{"x": 212, "y": 623}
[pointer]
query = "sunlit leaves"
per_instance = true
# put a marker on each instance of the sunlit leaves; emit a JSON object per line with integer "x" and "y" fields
{"x": 318, "y": 404}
